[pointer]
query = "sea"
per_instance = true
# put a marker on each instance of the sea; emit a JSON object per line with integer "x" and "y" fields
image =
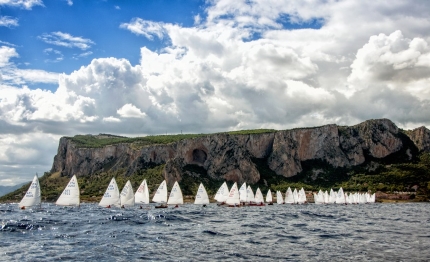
{"x": 308, "y": 232}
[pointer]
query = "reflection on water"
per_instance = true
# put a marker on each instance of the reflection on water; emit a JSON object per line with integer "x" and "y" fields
{"x": 376, "y": 232}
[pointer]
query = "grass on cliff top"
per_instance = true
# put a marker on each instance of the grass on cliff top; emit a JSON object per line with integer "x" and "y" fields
{"x": 101, "y": 140}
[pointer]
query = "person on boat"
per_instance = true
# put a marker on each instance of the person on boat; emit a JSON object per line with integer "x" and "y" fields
{"x": 23, "y": 207}
{"x": 204, "y": 205}
{"x": 140, "y": 207}
{"x": 122, "y": 206}
{"x": 176, "y": 206}
{"x": 108, "y": 206}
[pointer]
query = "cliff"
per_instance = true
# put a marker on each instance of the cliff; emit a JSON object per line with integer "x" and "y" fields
{"x": 230, "y": 157}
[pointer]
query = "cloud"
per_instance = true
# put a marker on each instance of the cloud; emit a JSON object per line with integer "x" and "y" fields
{"x": 149, "y": 29}
{"x": 6, "y": 53}
{"x": 66, "y": 40}
{"x": 8, "y": 21}
{"x": 130, "y": 111}
{"x": 25, "y": 4}
{"x": 70, "y": 2}
{"x": 242, "y": 65}
{"x": 85, "y": 54}
{"x": 58, "y": 56}
{"x": 393, "y": 61}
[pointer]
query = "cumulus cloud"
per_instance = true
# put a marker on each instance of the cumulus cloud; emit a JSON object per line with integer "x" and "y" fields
{"x": 149, "y": 29}
{"x": 6, "y": 53}
{"x": 8, "y": 21}
{"x": 393, "y": 61}
{"x": 66, "y": 40}
{"x": 243, "y": 65}
{"x": 130, "y": 111}
{"x": 25, "y": 4}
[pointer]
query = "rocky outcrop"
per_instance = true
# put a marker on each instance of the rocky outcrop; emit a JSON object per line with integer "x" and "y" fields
{"x": 421, "y": 138}
{"x": 230, "y": 157}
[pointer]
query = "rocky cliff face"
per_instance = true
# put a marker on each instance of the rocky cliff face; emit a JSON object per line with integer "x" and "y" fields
{"x": 229, "y": 157}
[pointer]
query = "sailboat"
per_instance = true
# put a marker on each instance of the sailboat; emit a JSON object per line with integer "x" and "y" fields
{"x": 71, "y": 194}
{"x": 111, "y": 196}
{"x": 289, "y": 198}
{"x": 222, "y": 194}
{"x": 269, "y": 198}
{"x": 259, "y": 199}
{"x": 127, "y": 195}
{"x": 175, "y": 197}
{"x": 160, "y": 195}
{"x": 249, "y": 196}
{"x": 279, "y": 198}
{"x": 233, "y": 199}
{"x": 202, "y": 197}
{"x": 142, "y": 194}
{"x": 243, "y": 194}
{"x": 32, "y": 196}
{"x": 340, "y": 197}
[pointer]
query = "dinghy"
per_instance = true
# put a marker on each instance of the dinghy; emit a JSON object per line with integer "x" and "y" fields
{"x": 160, "y": 195}
{"x": 71, "y": 194}
{"x": 289, "y": 198}
{"x": 233, "y": 199}
{"x": 279, "y": 198}
{"x": 222, "y": 194}
{"x": 250, "y": 196}
{"x": 269, "y": 199}
{"x": 340, "y": 197}
{"x": 127, "y": 195}
{"x": 111, "y": 196}
{"x": 259, "y": 199}
{"x": 175, "y": 197}
{"x": 142, "y": 194}
{"x": 202, "y": 197}
{"x": 32, "y": 197}
{"x": 243, "y": 194}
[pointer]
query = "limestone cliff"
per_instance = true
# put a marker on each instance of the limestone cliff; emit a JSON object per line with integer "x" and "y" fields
{"x": 229, "y": 157}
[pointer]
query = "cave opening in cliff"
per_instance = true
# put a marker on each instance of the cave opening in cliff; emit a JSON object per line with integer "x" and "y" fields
{"x": 199, "y": 156}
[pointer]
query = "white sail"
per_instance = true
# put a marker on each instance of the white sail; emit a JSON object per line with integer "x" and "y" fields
{"x": 295, "y": 196}
{"x": 242, "y": 193}
{"x": 111, "y": 196}
{"x": 175, "y": 197}
{"x": 301, "y": 196}
{"x": 222, "y": 193}
{"x": 202, "y": 197}
{"x": 259, "y": 199}
{"x": 142, "y": 194}
{"x": 373, "y": 198}
{"x": 331, "y": 197}
{"x": 127, "y": 195}
{"x": 249, "y": 195}
{"x": 289, "y": 198}
{"x": 70, "y": 195}
{"x": 269, "y": 197}
{"x": 279, "y": 198}
{"x": 340, "y": 197}
{"x": 160, "y": 195}
{"x": 32, "y": 197}
{"x": 233, "y": 196}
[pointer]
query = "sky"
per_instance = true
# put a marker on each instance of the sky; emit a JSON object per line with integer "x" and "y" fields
{"x": 137, "y": 68}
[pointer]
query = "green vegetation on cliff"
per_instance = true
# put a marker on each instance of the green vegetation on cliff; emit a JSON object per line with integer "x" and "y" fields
{"x": 101, "y": 140}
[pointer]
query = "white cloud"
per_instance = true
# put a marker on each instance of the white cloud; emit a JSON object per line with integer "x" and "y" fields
{"x": 66, "y": 40}
{"x": 6, "y": 53}
{"x": 393, "y": 61}
{"x": 26, "y": 4}
{"x": 70, "y": 2}
{"x": 130, "y": 111}
{"x": 58, "y": 56}
{"x": 239, "y": 67}
{"x": 8, "y": 21}
{"x": 146, "y": 28}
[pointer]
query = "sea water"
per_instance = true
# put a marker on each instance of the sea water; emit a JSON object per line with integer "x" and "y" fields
{"x": 365, "y": 232}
